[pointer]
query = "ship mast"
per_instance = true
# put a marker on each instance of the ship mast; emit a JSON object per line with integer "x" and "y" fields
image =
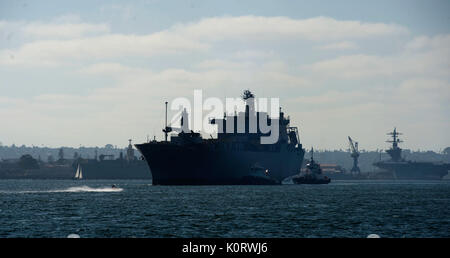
{"x": 165, "y": 132}
{"x": 395, "y": 151}
{"x": 166, "y": 129}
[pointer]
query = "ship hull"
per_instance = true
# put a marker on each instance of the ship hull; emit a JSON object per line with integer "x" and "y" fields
{"x": 415, "y": 170}
{"x": 172, "y": 164}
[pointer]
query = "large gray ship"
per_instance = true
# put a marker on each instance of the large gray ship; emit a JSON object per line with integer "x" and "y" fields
{"x": 405, "y": 169}
{"x": 231, "y": 158}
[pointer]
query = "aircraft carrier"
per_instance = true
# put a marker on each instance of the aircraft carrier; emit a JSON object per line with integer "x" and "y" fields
{"x": 232, "y": 158}
{"x": 405, "y": 169}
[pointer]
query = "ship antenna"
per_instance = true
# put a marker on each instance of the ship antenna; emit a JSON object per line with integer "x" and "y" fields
{"x": 165, "y": 131}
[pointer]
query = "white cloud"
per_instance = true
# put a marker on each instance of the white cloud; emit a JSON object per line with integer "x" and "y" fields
{"x": 112, "y": 69}
{"x": 65, "y": 30}
{"x": 425, "y": 92}
{"x": 277, "y": 28}
{"x": 129, "y": 106}
{"x": 253, "y": 54}
{"x": 62, "y": 27}
{"x": 224, "y": 64}
{"x": 430, "y": 61}
{"x": 355, "y": 66}
{"x": 426, "y": 42}
{"x": 59, "y": 43}
{"x": 332, "y": 97}
{"x": 55, "y": 52}
{"x": 317, "y": 96}
{"x": 416, "y": 106}
{"x": 339, "y": 46}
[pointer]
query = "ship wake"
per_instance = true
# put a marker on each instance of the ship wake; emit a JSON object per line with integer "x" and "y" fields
{"x": 75, "y": 189}
{"x": 86, "y": 188}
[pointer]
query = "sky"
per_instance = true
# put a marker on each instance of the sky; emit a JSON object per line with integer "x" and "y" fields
{"x": 91, "y": 73}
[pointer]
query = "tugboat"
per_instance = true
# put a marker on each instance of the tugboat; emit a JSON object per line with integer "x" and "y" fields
{"x": 313, "y": 174}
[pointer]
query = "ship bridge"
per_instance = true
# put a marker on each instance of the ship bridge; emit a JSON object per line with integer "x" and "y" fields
{"x": 250, "y": 126}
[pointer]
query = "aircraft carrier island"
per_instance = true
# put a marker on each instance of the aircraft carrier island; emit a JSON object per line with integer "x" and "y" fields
{"x": 232, "y": 158}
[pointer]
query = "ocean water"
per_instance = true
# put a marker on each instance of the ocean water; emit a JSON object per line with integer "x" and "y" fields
{"x": 136, "y": 208}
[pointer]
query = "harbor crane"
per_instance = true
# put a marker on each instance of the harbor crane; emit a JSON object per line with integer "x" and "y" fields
{"x": 354, "y": 155}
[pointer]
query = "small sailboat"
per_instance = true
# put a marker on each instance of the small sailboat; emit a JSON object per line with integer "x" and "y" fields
{"x": 79, "y": 173}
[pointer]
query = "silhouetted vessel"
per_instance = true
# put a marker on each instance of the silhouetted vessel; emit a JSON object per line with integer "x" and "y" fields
{"x": 106, "y": 167}
{"x": 313, "y": 174}
{"x": 404, "y": 169}
{"x": 235, "y": 157}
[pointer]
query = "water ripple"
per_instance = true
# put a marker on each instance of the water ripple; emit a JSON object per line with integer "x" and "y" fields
{"x": 58, "y": 208}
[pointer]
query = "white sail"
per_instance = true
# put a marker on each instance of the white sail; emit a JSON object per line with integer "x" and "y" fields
{"x": 78, "y": 171}
{"x": 78, "y": 174}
